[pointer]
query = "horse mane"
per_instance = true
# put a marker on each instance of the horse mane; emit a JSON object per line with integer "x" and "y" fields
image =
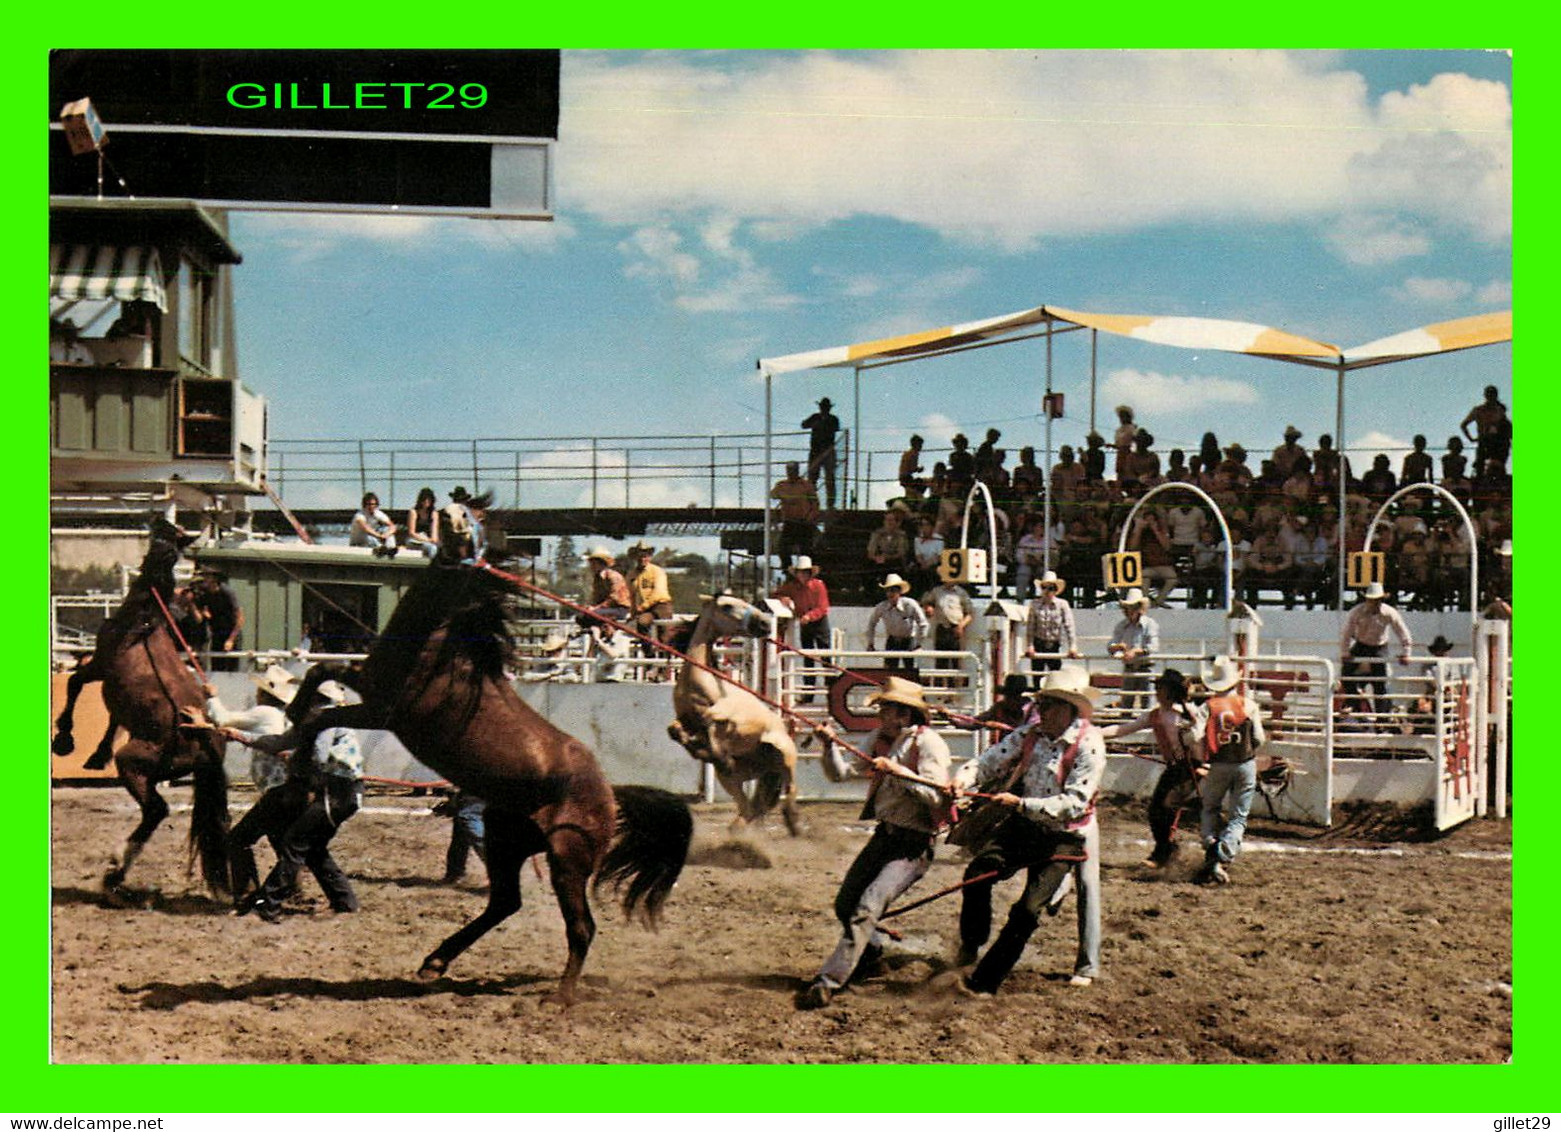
{"x": 466, "y": 603}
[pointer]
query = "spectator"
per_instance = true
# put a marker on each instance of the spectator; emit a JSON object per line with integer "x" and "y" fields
{"x": 1029, "y": 556}
{"x": 910, "y": 470}
{"x": 1268, "y": 567}
{"x": 986, "y": 456}
{"x": 1209, "y": 454}
{"x": 1417, "y": 465}
{"x": 806, "y": 595}
{"x": 471, "y": 515}
{"x": 926, "y": 553}
{"x": 1492, "y": 430}
{"x": 1067, "y": 476}
{"x": 1134, "y": 642}
{"x": 1234, "y": 468}
{"x": 1126, "y": 434}
{"x": 889, "y": 547}
{"x": 1150, "y": 538}
{"x": 822, "y": 427}
{"x": 1206, "y": 587}
{"x": 372, "y": 527}
{"x": 610, "y": 596}
{"x": 904, "y": 623}
{"x": 423, "y": 524}
{"x": 1325, "y": 466}
{"x": 1027, "y": 476}
{"x": 799, "y": 513}
{"x": 1176, "y": 470}
{"x": 1379, "y": 483}
{"x": 1183, "y": 522}
{"x": 1298, "y": 487}
{"x": 996, "y": 478}
{"x": 1453, "y": 463}
{"x": 223, "y": 615}
{"x": 1094, "y": 458}
{"x": 1287, "y": 453}
{"x": 650, "y": 594}
{"x": 962, "y": 466}
{"x": 1050, "y": 626}
{"x": 1310, "y": 557}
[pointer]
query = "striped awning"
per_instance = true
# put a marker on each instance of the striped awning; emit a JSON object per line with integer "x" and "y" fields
{"x": 1202, "y": 333}
{"x": 906, "y": 345}
{"x": 1438, "y": 338}
{"x": 81, "y": 271}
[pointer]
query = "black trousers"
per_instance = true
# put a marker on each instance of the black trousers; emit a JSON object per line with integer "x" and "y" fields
{"x": 1039, "y": 852}
{"x": 269, "y": 817}
{"x": 1177, "y": 786}
{"x": 305, "y": 843}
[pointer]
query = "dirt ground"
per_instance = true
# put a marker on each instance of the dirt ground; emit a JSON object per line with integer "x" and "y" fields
{"x": 1342, "y": 946}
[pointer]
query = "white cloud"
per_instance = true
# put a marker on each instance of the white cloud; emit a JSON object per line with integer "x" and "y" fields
{"x": 1376, "y": 442}
{"x": 309, "y": 236}
{"x": 1496, "y": 293}
{"x": 1368, "y": 241}
{"x": 1421, "y": 289}
{"x": 709, "y": 272}
{"x": 1008, "y": 147}
{"x": 1173, "y": 394}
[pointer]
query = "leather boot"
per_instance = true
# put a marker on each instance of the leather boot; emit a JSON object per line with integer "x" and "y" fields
{"x": 1004, "y": 952}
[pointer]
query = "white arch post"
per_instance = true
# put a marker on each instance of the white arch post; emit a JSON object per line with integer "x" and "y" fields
{"x": 991, "y": 523}
{"x": 1468, "y": 525}
{"x": 1230, "y": 549}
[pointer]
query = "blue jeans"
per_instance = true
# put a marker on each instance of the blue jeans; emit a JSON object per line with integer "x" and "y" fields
{"x": 1235, "y": 783}
{"x": 466, "y": 834}
{"x": 892, "y": 860}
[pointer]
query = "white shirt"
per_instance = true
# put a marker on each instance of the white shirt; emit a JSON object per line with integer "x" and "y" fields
{"x": 1370, "y": 627}
{"x": 1045, "y": 799}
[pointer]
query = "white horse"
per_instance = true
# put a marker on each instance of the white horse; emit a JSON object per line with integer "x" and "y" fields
{"x": 729, "y": 727}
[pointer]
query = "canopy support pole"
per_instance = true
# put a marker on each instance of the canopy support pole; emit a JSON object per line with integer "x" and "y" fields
{"x": 1094, "y": 347}
{"x": 769, "y": 478}
{"x": 1046, "y": 518}
{"x": 1344, "y": 476}
{"x": 856, "y": 441}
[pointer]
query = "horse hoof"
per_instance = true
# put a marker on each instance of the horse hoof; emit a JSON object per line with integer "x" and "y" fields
{"x": 64, "y": 744}
{"x": 432, "y": 970}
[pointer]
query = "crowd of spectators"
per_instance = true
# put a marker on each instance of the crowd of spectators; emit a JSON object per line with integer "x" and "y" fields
{"x": 1282, "y": 510}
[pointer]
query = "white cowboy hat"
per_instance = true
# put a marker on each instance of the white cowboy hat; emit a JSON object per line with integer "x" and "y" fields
{"x": 1134, "y": 596}
{"x": 602, "y": 554}
{"x": 278, "y": 683}
{"x": 1505, "y": 549}
{"x": 898, "y": 690}
{"x": 894, "y": 581}
{"x": 802, "y": 562}
{"x": 1070, "y": 684}
{"x": 1374, "y": 592}
{"x": 332, "y": 691}
{"x": 1220, "y": 674}
{"x": 1050, "y": 579}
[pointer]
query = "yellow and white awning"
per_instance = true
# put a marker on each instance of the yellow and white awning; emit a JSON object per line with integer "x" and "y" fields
{"x": 905, "y": 345}
{"x": 1438, "y": 338}
{"x": 1202, "y": 333}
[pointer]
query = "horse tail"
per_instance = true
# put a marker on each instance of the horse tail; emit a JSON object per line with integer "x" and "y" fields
{"x": 655, "y": 828}
{"x": 209, "y": 823}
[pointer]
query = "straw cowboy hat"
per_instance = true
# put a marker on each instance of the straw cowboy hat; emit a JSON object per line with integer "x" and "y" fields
{"x": 906, "y": 693}
{"x": 1071, "y": 685}
{"x": 642, "y": 547}
{"x": 601, "y": 554}
{"x": 1134, "y": 596}
{"x": 278, "y": 683}
{"x": 1051, "y": 579}
{"x": 1220, "y": 674}
{"x": 802, "y": 562}
{"x": 1374, "y": 592}
{"x": 894, "y": 581}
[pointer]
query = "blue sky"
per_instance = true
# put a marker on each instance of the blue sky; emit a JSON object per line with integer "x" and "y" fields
{"x": 715, "y": 207}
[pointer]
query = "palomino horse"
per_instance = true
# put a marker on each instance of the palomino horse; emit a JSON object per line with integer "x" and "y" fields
{"x": 729, "y": 727}
{"x": 146, "y": 687}
{"x": 435, "y": 678}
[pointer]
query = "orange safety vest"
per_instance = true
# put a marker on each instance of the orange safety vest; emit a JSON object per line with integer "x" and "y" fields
{"x": 1228, "y": 734}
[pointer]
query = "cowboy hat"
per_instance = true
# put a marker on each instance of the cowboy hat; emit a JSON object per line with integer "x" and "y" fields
{"x": 802, "y": 562}
{"x": 1050, "y": 579}
{"x": 1374, "y": 592}
{"x": 1134, "y": 596}
{"x": 278, "y": 683}
{"x": 460, "y": 495}
{"x": 1071, "y": 685}
{"x": 895, "y": 581}
{"x": 906, "y": 693}
{"x": 1015, "y": 684}
{"x": 825, "y": 403}
{"x": 1220, "y": 674}
{"x": 332, "y": 691}
{"x": 602, "y": 554}
{"x": 1505, "y": 549}
{"x": 1440, "y": 647}
{"x": 642, "y": 547}
{"x": 1292, "y": 433}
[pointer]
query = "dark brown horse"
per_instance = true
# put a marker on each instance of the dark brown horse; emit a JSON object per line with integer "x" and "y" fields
{"x": 436, "y": 678}
{"x": 146, "y": 687}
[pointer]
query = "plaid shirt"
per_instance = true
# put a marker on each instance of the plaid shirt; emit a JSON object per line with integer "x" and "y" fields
{"x": 1052, "y": 621}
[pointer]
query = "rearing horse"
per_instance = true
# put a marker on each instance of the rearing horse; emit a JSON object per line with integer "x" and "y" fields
{"x": 729, "y": 727}
{"x": 436, "y": 679}
{"x": 146, "y": 687}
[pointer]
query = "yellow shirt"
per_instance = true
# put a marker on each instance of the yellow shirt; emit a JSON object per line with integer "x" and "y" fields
{"x": 648, "y": 586}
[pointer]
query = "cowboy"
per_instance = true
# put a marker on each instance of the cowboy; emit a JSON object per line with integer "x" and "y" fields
{"x": 1233, "y": 731}
{"x": 1045, "y": 776}
{"x": 908, "y": 795}
{"x": 1011, "y": 708}
{"x": 1363, "y": 645}
{"x": 274, "y": 690}
{"x": 904, "y": 622}
{"x": 949, "y": 611}
{"x": 609, "y": 591}
{"x": 822, "y": 427}
{"x": 649, "y": 591}
{"x": 1178, "y": 736}
{"x": 1134, "y": 641}
{"x": 1051, "y": 625}
{"x": 473, "y": 509}
{"x": 806, "y": 595}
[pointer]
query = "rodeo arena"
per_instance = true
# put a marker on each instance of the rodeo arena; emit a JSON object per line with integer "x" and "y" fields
{"x": 1113, "y": 753}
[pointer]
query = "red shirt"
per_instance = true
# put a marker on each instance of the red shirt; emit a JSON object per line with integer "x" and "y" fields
{"x": 809, "y": 600}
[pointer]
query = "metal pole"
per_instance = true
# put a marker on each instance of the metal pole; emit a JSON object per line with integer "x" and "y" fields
{"x": 739, "y": 477}
{"x": 1218, "y": 514}
{"x": 1094, "y": 346}
{"x": 712, "y": 471}
{"x": 1046, "y": 475}
{"x": 769, "y": 417}
{"x": 1468, "y": 526}
{"x": 626, "y": 455}
{"x": 363, "y": 475}
{"x": 1338, "y": 436}
{"x": 593, "y": 473}
{"x": 476, "y": 475}
{"x": 517, "y": 481}
{"x": 856, "y": 439}
{"x": 390, "y": 497}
